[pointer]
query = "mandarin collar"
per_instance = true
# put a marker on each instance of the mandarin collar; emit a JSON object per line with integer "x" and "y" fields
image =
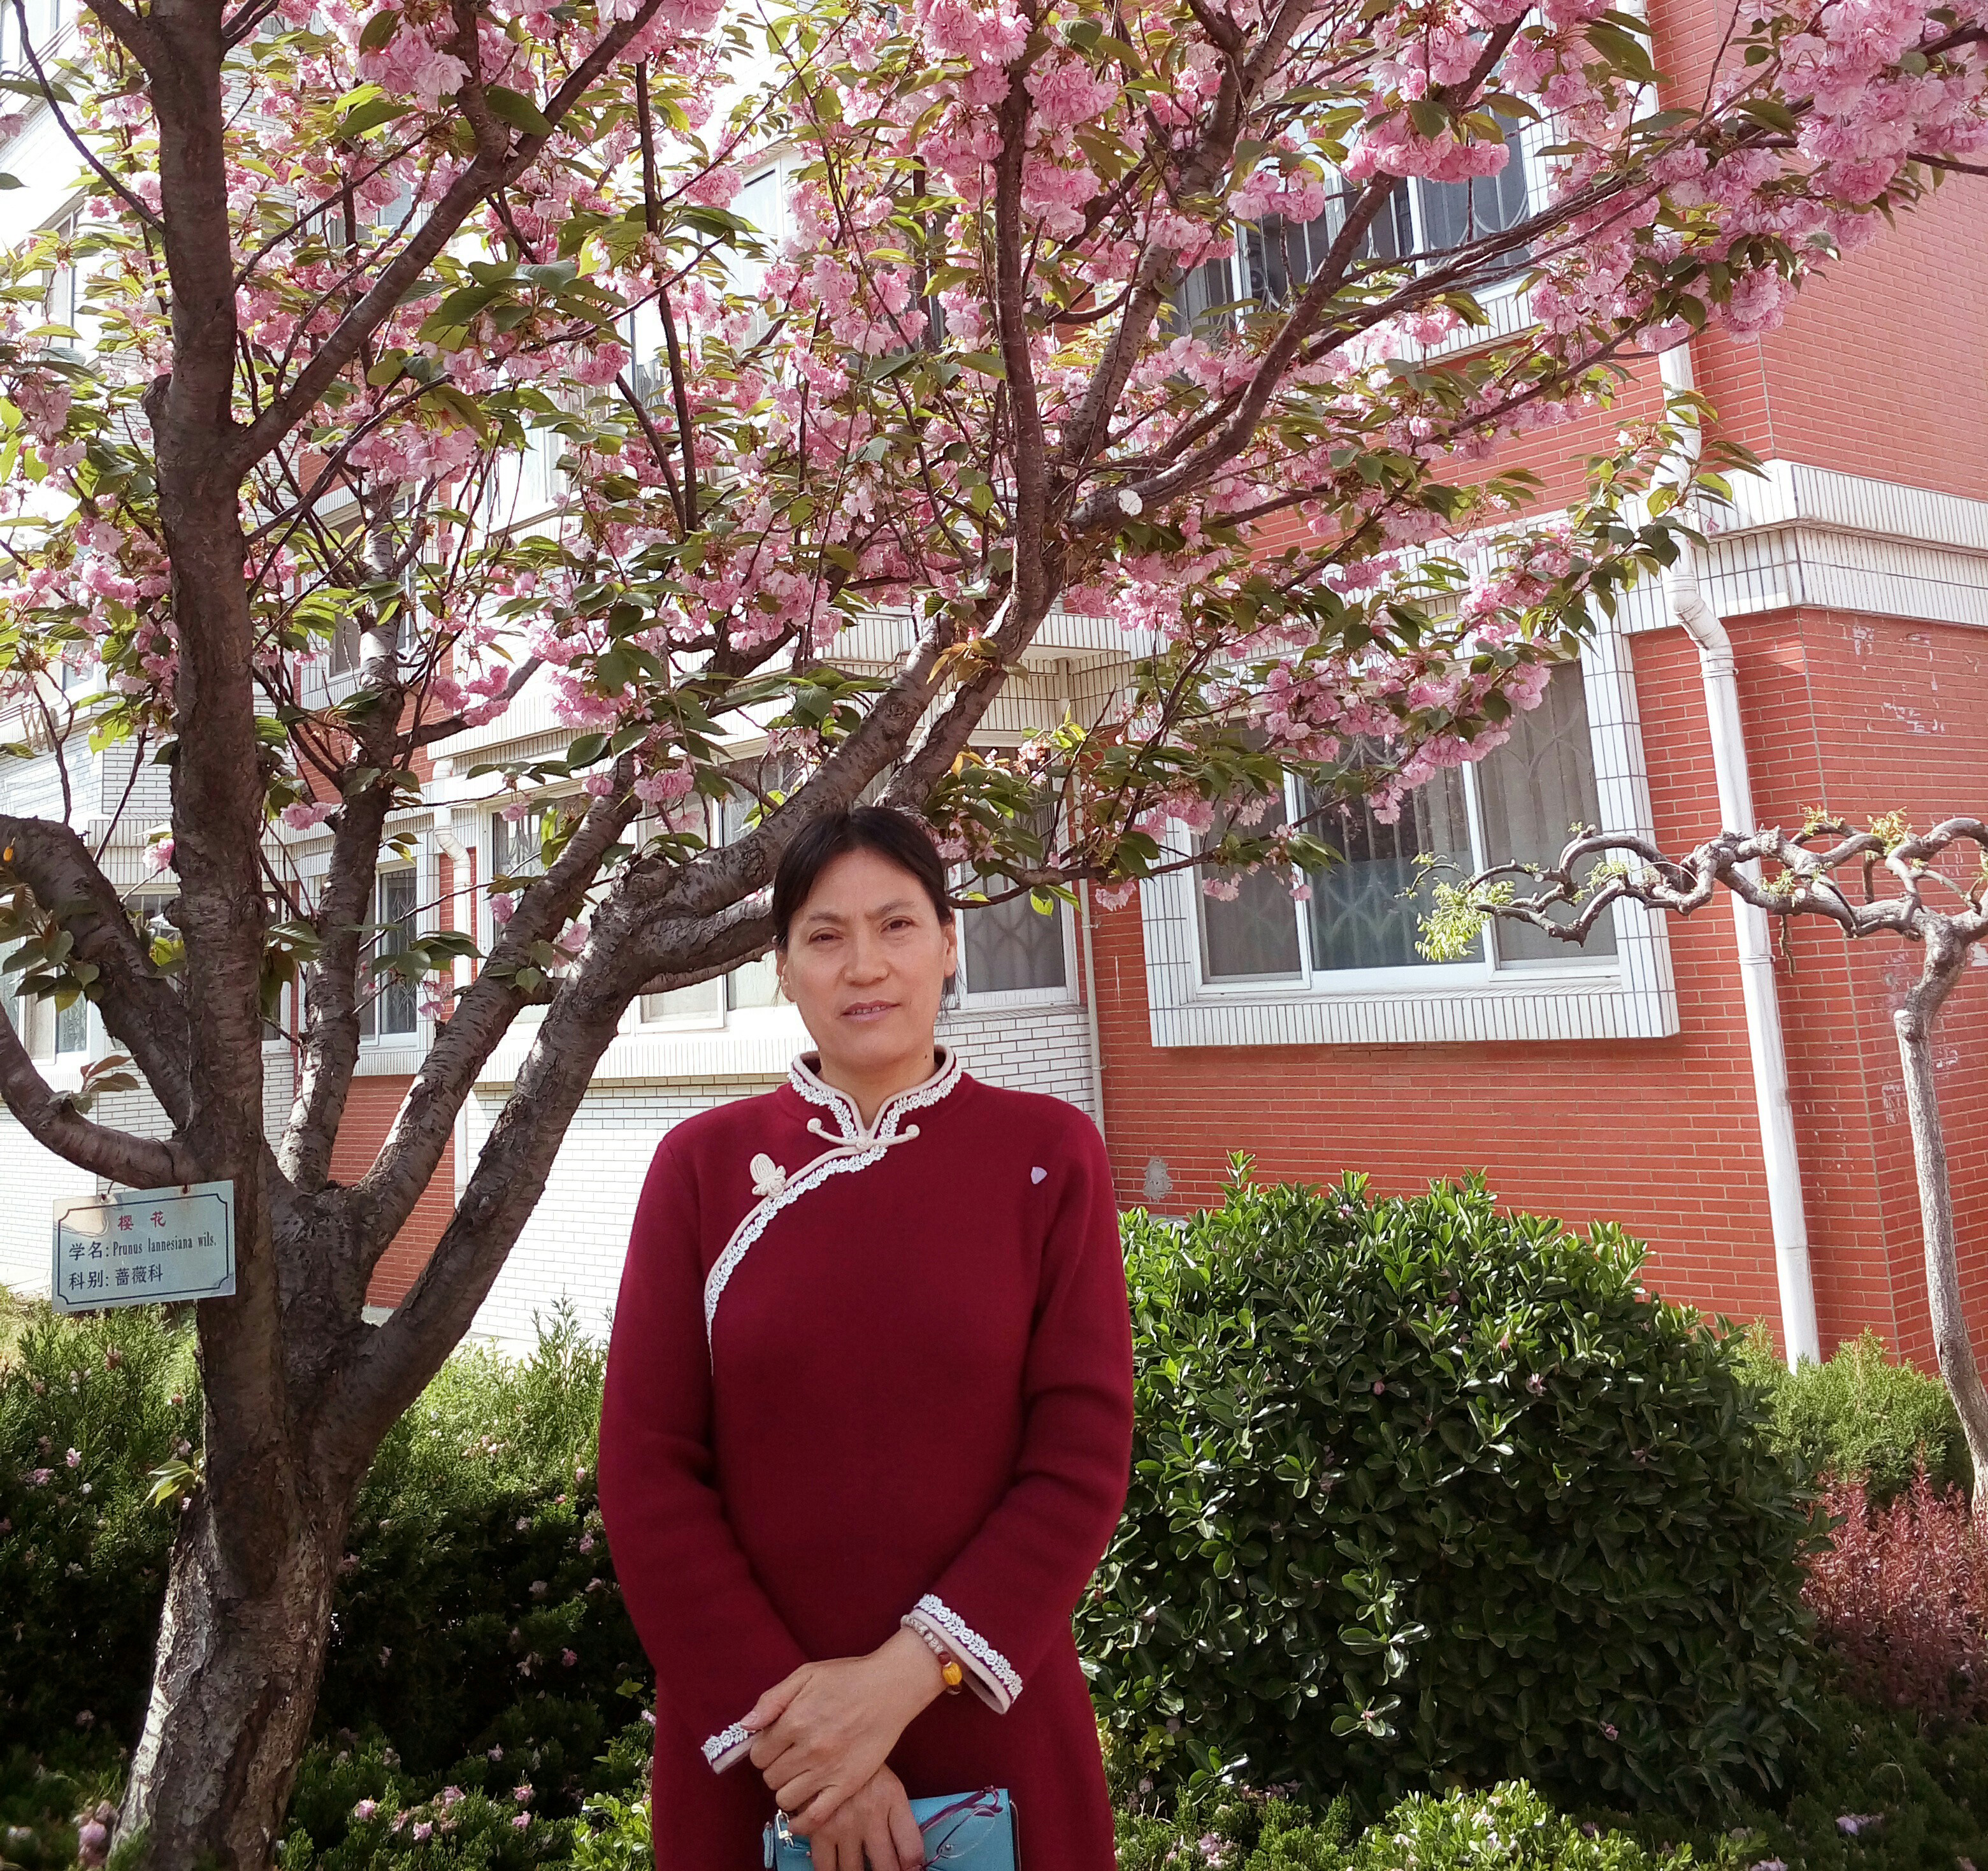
{"x": 805, "y": 1077}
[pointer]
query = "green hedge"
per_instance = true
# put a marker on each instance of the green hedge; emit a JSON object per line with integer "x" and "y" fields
{"x": 1423, "y": 1489}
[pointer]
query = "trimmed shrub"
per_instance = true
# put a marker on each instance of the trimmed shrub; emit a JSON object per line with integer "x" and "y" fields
{"x": 89, "y": 1407}
{"x": 477, "y": 1583}
{"x": 1901, "y": 1597}
{"x": 1424, "y": 1490}
{"x": 1861, "y": 1417}
{"x": 476, "y": 1605}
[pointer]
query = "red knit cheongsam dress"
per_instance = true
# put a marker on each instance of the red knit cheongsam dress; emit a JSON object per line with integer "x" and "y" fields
{"x": 858, "y": 1375}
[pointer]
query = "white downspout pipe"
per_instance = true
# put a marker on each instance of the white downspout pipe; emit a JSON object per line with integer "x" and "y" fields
{"x": 1091, "y": 1005}
{"x": 1787, "y": 1214}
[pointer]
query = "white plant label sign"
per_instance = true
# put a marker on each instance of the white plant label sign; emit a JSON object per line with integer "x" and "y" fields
{"x": 143, "y": 1247}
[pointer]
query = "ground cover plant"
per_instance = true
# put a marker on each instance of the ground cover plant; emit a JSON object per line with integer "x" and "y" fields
{"x": 1423, "y": 1488}
{"x": 1901, "y": 1596}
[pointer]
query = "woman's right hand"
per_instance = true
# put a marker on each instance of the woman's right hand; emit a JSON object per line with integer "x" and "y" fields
{"x": 875, "y": 1821}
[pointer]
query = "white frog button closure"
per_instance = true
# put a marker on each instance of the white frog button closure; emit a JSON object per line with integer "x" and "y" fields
{"x": 768, "y": 1179}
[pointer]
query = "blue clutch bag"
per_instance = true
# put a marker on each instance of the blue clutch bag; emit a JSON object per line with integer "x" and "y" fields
{"x": 963, "y": 1831}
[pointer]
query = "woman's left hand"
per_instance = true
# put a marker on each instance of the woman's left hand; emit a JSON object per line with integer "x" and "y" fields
{"x": 823, "y": 1733}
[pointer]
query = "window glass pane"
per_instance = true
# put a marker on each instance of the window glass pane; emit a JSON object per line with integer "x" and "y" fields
{"x": 754, "y": 984}
{"x": 1010, "y": 947}
{"x": 72, "y": 1026}
{"x": 1253, "y": 936}
{"x": 394, "y": 1010}
{"x": 1195, "y": 305}
{"x": 758, "y": 201}
{"x": 1362, "y": 913}
{"x": 517, "y": 846}
{"x": 1269, "y": 264}
{"x": 10, "y": 997}
{"x": 33, "y": 1017}
{"x": 1532, "y": 791}
{"x": 1390, "y": 235}
{"x": 705, "y": 1001}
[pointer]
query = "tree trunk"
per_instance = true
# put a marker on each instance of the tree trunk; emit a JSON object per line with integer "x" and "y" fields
{"x": 1915, "y": 1024}
{"x": 234, "y": 1686}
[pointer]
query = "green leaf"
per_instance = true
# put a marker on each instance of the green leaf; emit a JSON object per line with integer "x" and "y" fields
{"x": 467, "y": 412}
{"x": 380, "y": 30}
{"x": 1770, "y": 113}
{"x": 1429, "y": 117}
{"x": 1623, "y": 50}
{"x": 515, "y": 109}
{"x": 372, "y": 113}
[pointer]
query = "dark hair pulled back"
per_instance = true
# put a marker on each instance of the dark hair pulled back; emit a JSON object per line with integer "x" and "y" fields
{"x": 893, "y": 835}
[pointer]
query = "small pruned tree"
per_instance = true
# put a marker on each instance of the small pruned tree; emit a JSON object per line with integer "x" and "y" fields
{"x": 1888, "y": 880}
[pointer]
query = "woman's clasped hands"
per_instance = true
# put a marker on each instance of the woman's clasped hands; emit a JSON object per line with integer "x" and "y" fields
{"x": 821, "y": 1739}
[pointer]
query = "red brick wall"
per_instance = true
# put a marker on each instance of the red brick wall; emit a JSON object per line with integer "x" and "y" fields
{"x": 368, "y": 1113}
{"x": 1897, "y": 711}
{"x": 1876, "y": 369}
{"x": 1661, "y": 1135}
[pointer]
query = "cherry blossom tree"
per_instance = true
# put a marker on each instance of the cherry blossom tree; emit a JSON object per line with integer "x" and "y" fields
{"x": 1899, "y": 882}
{"x": 347, "y": 263}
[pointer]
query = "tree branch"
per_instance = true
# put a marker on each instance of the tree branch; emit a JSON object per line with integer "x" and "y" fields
{"x": 54, "y": 1122}
{"x": 381, "y": 1200}
{"x": 140, "y": 1008}
{"x": 476, "y": 184}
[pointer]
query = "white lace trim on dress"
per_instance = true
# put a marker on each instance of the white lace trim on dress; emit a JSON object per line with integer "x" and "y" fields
{"x": 852, "y": 1146}
{"x": 728, "y": 1747}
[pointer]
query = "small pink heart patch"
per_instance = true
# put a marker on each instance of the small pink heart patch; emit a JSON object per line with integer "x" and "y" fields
{"x": 1039, "y": 1174}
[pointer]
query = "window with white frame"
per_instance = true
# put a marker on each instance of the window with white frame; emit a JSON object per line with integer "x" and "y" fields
{"x": 1013, "y": 948}
{"x": 386, "y": 1004}
{"x": 1275, "y": 258}
{"x": 762, "y": 201}
{"x": 1011, "y": 951}
{"x": 702, "y": 1003}
{"x": 752, "y": 984}
{"x": 62, "y": 296}
{"x": 47, "y": 1032}
{"x": 47, "y": 21}
{"x": 518, "y": 835}
{"x": 1363, "y": 914}
{"x": 517, "y": 853}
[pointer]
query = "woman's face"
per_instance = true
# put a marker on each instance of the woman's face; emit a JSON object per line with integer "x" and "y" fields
{"x": 867, "y": 961}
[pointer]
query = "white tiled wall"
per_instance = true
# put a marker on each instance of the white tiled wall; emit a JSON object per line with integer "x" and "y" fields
{"x": 573, "y": 1244}
{"x": 35, "y": 1181}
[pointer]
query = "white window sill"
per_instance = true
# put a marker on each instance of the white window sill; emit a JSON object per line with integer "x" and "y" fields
{"x": 756, "y": 1043}
{"x": 1559, "y": 1004}
{"x": 1020, "y": 1001}
{"x": 398, "y": 1057}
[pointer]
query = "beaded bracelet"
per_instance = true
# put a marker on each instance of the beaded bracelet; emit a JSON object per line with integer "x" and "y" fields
{"x": 950, "y": 1672}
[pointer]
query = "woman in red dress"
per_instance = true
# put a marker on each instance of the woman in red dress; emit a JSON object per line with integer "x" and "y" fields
{"x": 868, "y": 1419}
